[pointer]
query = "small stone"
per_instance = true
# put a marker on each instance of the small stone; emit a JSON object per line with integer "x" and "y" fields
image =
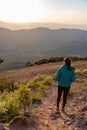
{"x": 69, "y": 123}
{"x": 27, "y": 114}
{"x": 50, "y": 107}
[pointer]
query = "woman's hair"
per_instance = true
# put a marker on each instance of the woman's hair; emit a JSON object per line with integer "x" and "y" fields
{"x": 68, "y": 62}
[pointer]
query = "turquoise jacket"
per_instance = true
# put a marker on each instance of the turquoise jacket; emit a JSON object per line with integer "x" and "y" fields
{"x": 64, "y": 76}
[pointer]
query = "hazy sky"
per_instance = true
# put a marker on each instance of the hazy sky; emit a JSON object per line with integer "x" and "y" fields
{"x": 54, "y": 11}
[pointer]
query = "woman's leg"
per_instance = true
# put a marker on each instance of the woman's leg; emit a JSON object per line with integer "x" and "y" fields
{"x": 65, "y": 93}
{"x": 59, "y": 96}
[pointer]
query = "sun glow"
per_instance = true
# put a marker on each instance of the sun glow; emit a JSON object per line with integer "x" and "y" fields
{"x": 21, "y": 10}
{"x": 47, "y": 11}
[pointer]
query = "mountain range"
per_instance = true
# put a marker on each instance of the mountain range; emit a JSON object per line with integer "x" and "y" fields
{"x": 20, "y": 46}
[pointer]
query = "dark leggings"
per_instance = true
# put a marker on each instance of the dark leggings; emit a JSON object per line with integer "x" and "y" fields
{"x": 65, "y": 91}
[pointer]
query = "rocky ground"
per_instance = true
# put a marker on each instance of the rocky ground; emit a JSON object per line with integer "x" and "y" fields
{"x": 43, "y": 114}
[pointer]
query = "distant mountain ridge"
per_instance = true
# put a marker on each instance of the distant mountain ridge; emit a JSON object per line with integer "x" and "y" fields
{"x": 19, "y": 46}
{"x": 30, "y": 25}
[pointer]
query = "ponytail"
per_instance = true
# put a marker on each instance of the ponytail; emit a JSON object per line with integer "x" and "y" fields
{"x": 68, "y": 63}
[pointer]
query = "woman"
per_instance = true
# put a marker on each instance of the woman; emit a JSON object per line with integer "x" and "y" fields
{"x": 65, "y": 76}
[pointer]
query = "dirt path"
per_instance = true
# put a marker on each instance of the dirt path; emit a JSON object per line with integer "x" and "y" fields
{"x": 68, "y": 120}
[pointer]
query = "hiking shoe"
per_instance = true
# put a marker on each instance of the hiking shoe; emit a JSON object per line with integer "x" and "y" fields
{"x": 63, "y": 110}
{"x": 57, "y": 111}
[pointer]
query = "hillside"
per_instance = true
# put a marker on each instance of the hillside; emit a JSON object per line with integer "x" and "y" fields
{"x": 20, "y": 46}
{"x": 43, "y": 117}
{"x": 26, "y": 74}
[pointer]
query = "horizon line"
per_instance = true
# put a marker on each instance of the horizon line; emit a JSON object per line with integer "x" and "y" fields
{"x": 8, "y": 22}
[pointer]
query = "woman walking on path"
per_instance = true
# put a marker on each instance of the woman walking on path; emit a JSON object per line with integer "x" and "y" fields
{"x": 65, "y": 76}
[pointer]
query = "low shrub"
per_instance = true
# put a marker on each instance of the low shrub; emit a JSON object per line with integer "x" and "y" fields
{"x": 9, "y": 105}
{"x": 77, "y": 71}
{"x": 7, "y": 85}
{"x": 84, "y": 71}
{"x": 28, "y": 64}
{"x": 20, "y": 96}
{"x": 43, "y": 61}
{"x": 25, "y": 96}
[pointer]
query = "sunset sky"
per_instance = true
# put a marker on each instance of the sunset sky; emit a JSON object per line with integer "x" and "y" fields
{"x": 49, "y": 11}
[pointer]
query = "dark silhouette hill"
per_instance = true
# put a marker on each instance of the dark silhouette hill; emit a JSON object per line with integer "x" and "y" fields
{"x": 20, "y": 46}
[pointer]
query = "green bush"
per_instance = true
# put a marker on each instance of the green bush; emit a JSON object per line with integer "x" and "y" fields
{"x": 70, "y": 92}
{"x": 77, "y": 71}
{"x": 3, "y": 84}
{"x": 47, "y": 80}
{"x": 7, "y": 85}
{"x": 44, "y": 79}
{"x": 84, "y": 71}
{"x": 33, "y": 90}
{"x": 43, "y": 61}
{"x": 25, "y": 96}
{"x": 28, "y": 64}
{"x": 58, "y": 59}
{"x": 20, "y": 96}
{"x": 10, "y": 106}
{"x": 55, "y": 59}
{"x": 2, "y": 111}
